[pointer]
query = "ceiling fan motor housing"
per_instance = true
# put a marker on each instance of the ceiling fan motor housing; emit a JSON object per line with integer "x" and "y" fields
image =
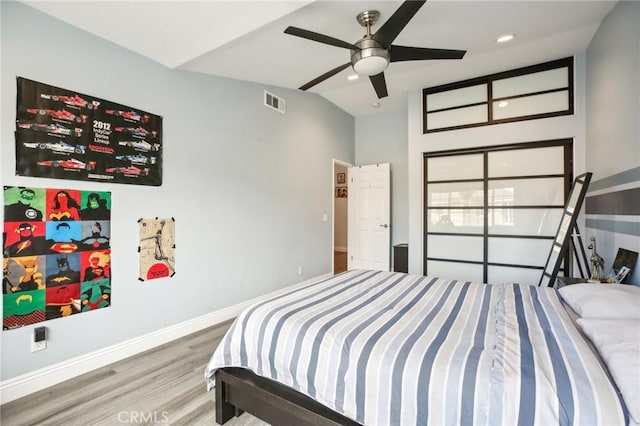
{"x": 371, "y": 59}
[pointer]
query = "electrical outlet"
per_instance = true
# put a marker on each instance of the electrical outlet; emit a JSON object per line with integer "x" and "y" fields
{"x": 37, "y": 346}
{"x": 299, "y": 269}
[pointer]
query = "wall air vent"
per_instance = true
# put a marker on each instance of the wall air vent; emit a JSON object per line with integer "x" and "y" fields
{"x": 274, "y": 102}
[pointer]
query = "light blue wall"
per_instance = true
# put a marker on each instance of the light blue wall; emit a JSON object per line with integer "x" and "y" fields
{"x": 613, "y": 127}
{"x": 246, "y": 185}
{"x": 382, "y": 138}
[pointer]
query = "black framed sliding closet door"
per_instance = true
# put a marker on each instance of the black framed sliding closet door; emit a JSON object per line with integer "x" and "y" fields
{"x": 491, "y": 213}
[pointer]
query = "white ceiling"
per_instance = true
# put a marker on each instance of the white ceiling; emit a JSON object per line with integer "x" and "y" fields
{"x": 245, "y": 40}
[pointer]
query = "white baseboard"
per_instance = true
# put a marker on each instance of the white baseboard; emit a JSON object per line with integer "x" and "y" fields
{"x": 34, "y": 381}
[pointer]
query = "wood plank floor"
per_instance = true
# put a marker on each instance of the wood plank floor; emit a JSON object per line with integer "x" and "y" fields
{"x": 164, "y": 385}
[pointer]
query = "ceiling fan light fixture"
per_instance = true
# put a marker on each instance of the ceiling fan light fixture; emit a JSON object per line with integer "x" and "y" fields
{"x": 371, "y": 65}
{"x": 370, "y": 60}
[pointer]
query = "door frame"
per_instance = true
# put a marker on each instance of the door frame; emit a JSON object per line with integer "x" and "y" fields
{"x": 335, "y": 162}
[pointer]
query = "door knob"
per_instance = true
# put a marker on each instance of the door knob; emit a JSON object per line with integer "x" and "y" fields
{"x": 384, "y": 225}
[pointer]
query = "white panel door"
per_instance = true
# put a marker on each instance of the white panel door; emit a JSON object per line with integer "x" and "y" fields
{"x": 369, "y": 212}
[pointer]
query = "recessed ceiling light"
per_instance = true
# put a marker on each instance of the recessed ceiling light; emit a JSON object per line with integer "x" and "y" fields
{"x": 505, "y": 38}
{"x": 353, "y": 77}
{"x": 375, "y": 105}
{"x": 503, "y": 104}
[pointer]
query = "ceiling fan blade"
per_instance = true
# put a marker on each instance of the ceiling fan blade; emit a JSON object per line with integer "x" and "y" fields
{"x": 400, "y": 18}
{"x": 324, "y": 76}
{"x": 404, "y": 53}
{"x": 320, "y": 38}
{"x": 379, "y": 85}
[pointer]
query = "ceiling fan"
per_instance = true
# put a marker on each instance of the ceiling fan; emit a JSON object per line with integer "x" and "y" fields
{"x": 372, "y": 54}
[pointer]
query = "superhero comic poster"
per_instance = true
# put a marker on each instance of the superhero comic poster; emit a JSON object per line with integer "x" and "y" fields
{"x": 157, "y": 258}
{"x": 64, "y": 134}
{"x": 56, "y": 254}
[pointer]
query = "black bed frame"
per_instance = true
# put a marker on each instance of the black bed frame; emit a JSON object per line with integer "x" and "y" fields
{"x": 239, "y": 390}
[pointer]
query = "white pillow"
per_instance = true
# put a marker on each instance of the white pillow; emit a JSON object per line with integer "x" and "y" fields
{"x": 618, "y": 343}
{"x": 606, "y": 301}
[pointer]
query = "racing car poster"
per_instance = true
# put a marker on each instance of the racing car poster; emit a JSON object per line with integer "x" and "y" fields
{"x": 63, "y": 134}
{"x": 56, "y": 254}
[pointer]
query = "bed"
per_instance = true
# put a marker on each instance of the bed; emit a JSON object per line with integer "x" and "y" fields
{"x": 387, "y": 348}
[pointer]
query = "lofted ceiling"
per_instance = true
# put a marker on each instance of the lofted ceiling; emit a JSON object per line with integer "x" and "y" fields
{"x": 244, "y": 39}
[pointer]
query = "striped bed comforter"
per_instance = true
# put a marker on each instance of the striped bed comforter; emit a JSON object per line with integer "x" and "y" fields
{"x": 387, "y": 348}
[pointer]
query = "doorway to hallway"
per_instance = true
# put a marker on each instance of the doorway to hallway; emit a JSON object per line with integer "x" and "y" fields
{"x": 340, "y": 218}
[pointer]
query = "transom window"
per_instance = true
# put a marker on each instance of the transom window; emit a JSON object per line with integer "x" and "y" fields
{"x": 538, "y": 91}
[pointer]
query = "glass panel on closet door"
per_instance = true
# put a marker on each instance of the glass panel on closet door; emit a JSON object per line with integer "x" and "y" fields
{"x": 519, "y": 251}
{"x": 455, "y": 247}
{"x": 455, "y": 167}
{"x": 503, "y": 274}
{"x": 458, "y": 221}
{"x": 527, "y": 162}
{"x": 526, "y": 192}
{"x": 455, "y": 194}
{"x": 455, "y": 270}
{"x": 539, "y": 222}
